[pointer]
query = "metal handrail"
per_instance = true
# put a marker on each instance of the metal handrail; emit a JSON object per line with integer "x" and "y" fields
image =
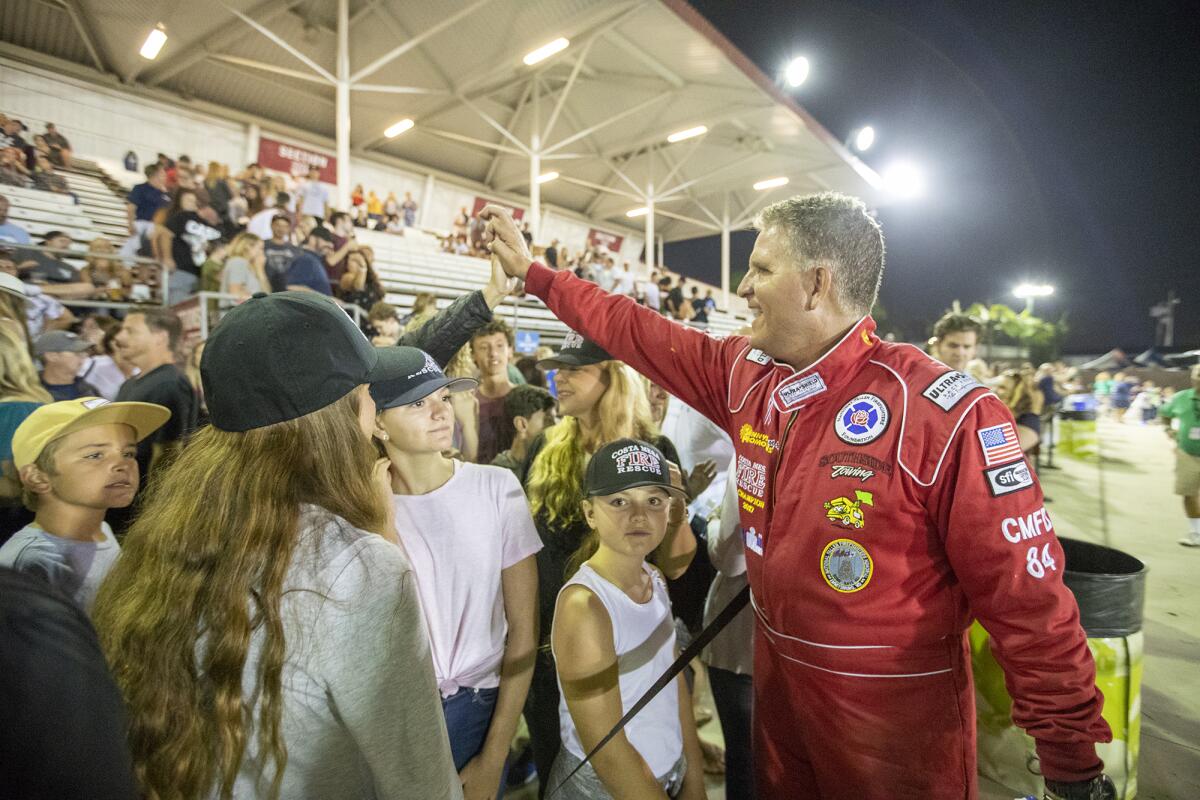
{"x": 163, "y": 273}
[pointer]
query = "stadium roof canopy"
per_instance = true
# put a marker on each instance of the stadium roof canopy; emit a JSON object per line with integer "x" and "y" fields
{"x": 598, "y": 113}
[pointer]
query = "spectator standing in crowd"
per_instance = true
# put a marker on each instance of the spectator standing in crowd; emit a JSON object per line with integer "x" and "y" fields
{"x": 141, "y": 204}
{"x": 220, "y": 192}
{"x": 600, "y": 400}
{"x": 383, "y": 319}
{"x": 360, "y": 284}
{"x": 11, "y": 231}
{"x": 699, "y": 307}
{"x": 344, "y": 243}
{"x": 60, "y": 148}
{"x": 491, "y": 347}
{"x": 76, "y": 460}
{"x": 307, "y": 271}
{"x": 461, "y": 222}
{"x": 613, "y": 638}
{"x": 294, "y": 632}
{"x": 1018, "y": 391}
{"x": 356, "y": 196}
{"x": 528, "y": 410}
{"x": 61, "y": 354}
{"x": 606, "y": 278}
{"x": 1183, "y": 410}
{"x": 374, "y": 206}
{"x": 651, "y": 293}
{"x": 955, "y": 337}
{"x": 1122, "y": 395}
{"x": 260, "y": 224}
{"x": 552, "y": 254}
{"x": 391, "y": 206}
{"x": 244, "y": 272}
{"x": 730, "y": 656}
{"x": 279, "y": 252}
{"x": 56, "y": 680}
{"x": 624, "y": 282}
{"x": 185, "y": 235}
{"x": 21, "y": 392}
{"x": 475, "y": 572}
{"x": 314, "y": 195}
{"x": 101, "y": 370}
{"x": 409, "y": 208}
{"x": 149, "y": 339}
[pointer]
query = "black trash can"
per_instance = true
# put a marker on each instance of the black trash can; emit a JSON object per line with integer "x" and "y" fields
{"x": 1110, "y": 589}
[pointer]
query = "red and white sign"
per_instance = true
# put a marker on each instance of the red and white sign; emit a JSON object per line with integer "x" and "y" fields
{"x": 609, "y": 241}
{"x": 295, "y": 160}
{"x": 480, "y": 202}
{"x": 188, "y": 312}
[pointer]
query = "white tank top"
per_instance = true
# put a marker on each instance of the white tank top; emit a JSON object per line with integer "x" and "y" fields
{"x": 644, "y": 639}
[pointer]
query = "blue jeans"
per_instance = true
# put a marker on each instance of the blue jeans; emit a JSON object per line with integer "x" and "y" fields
{"x": 734, "y": 697}
{"x": 468, "y": 715}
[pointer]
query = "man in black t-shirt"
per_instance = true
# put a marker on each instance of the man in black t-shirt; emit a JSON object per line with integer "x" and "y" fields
{"x": 279, "y": 252}
{"x": 148, "y": 340}
{"x": 189, "y": 236}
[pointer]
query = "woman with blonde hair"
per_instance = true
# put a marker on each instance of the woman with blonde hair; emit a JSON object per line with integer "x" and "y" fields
{"x": 1018, "y": 391}
{"x": 244, "y": 272}
{"x": 263, "y": 624}
{"x": 600, "y": 400}
{"x": 21, "y": 392}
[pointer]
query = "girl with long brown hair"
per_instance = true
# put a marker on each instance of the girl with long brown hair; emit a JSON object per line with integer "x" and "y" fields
{"x": 600, "y": 400}
{"x": 263, "y": 624}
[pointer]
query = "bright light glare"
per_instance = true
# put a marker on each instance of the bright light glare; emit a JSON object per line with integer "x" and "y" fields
{"x": 545, "y": 51}
{"x": 1028, "y": 290}
{"x": 546, "y": 177}
{"x": 797, "y": 71}
{"x": 637, "y": 212}
{"x": 904, "y": 179}
{"x": 770, "y": 183}
{"x": 864, "y": 139}
{"x": 154, "y": 42}
{"x": 690, "y": 133}
{"x": 399, "y": 128}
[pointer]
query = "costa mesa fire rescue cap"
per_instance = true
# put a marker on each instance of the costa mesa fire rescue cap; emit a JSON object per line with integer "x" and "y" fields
{"x": 282, "y": 356}
{"x": 576, "y": 351}
{"x": 421, "y": 377}
{"x": 627, "y": 464}
{"x": 55, "y": 420}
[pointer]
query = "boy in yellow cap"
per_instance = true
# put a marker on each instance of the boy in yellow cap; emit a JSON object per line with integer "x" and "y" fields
{"x": 76, "y": 460}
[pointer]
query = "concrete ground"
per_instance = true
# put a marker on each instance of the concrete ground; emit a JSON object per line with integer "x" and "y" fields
{"x": 1125, "y": 502}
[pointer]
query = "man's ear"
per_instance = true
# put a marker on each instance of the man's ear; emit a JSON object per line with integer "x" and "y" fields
{"x": 521, "y": 424}
{"x": 34, "y": 479}
{"x": 818, "y": 284}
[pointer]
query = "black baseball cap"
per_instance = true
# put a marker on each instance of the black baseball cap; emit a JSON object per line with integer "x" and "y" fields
{"x": 419, "y": 376}
{"x": 285, "y": 355}
{"x": 627, "y": 464}
{"x": 576, "y": 351}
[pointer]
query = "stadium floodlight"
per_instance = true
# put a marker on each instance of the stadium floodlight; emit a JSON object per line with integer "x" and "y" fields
{"x": 690, "y": 133}
{"x": 641, "y": 211}
{"x": 904, "y": 179}
{"x": 154, "y": 42}
{"x": 770, "y": 183}
{"x": 545, "y": 51}
{"x": 546, "y": 177}
{"x": 399, "y": 128}
{"x": 1028, "y": 290}
{"x": 797, "y": 71}
{"x": 864, "y": 138}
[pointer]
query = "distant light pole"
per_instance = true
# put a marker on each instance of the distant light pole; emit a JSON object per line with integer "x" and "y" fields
{"x": 1028, "y": 291}
{"x": 862, "y": 139}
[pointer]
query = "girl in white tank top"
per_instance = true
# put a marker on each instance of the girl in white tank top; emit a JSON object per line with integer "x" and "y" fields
{"x": 614, "y": 636}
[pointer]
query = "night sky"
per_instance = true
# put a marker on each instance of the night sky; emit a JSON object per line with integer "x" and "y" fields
{"x": 1059, "y": 143}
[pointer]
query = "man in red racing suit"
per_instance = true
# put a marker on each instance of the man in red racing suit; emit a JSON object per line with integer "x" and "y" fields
{"x": 885, "y": 503}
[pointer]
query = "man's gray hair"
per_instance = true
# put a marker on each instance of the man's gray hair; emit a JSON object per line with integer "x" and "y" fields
{"x": 838, "y": 231}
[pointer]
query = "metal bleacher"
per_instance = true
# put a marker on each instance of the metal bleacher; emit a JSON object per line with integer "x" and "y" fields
{"x": 411, "y": 264}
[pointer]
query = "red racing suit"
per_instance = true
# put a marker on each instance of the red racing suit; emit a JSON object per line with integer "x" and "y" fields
{"x": 885, "y": 503}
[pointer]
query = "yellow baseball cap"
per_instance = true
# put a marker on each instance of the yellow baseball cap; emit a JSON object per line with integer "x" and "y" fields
{"x": 54, "y": 420}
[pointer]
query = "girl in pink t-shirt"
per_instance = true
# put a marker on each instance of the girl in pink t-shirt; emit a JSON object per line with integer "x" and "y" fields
{"x": 468, "y": 533}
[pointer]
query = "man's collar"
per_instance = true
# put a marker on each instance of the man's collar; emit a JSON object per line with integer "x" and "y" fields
{"x": 833, "y": 369}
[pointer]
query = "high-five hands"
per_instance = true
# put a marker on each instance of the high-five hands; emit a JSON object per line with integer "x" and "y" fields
{"x": 505, "y": 242}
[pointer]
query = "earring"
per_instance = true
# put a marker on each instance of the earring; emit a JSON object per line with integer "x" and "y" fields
{"x": 383, "y": 437}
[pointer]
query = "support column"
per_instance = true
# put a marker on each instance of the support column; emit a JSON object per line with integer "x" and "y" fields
{"x": 661, "y": 248}
{"x": 343, "y": 105}
{"x": 253, "y": 136}
{"x": 650, "y": 228}
{"x": 535, "y": 188}
{"x": 426, "y": 199}
{"x": 725, "y": 265}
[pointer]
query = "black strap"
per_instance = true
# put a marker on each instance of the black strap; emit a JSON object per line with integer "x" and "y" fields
{"x": 699, "y": 643}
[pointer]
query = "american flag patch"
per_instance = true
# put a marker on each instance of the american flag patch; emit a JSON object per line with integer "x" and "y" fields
{"x": 999, "y": 444}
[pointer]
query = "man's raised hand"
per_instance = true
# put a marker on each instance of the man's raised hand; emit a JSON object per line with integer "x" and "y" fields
{"x": 505, "y": 241}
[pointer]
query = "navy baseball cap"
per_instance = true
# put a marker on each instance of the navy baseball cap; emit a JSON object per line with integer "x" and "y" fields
{"x": 576, "y": 351}
{"x": 285, "y": 355}
{"x": 420, "y": 376}
{"x": 627, "y": 464}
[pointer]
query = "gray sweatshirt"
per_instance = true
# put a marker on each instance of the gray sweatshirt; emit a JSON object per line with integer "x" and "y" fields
{"x": 362, "y": 716}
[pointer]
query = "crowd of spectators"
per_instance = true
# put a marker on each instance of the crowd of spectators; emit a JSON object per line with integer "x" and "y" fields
{"x": 32, "y": 161}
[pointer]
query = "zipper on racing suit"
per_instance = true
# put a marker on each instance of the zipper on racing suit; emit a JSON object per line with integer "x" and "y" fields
{"x": 771, "y": 520}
